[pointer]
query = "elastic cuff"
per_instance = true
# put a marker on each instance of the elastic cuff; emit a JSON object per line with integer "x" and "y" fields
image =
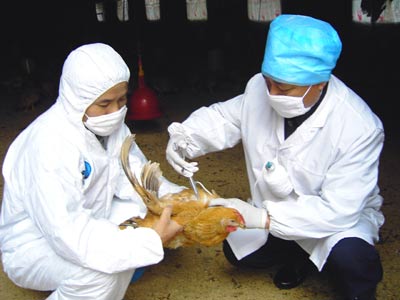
{"x": 263, "y": 217}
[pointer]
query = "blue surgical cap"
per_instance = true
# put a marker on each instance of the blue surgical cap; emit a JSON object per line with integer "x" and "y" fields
{"x": 300, "y": 50}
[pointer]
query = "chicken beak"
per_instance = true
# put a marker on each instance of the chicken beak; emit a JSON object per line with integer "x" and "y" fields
{"x": 242, "y": 223}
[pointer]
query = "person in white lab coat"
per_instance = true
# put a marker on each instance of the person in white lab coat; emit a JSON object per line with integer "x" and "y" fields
{"x": 312, "y": 149}
{"x": 65, "y": 191}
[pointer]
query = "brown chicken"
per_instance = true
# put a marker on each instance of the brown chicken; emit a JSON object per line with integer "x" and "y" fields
{"x": 202, "y": 224}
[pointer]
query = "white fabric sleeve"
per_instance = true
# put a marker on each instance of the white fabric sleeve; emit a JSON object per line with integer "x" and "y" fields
{"x": 349, "y": 184}
{"x": 86, "y": 241}
{"x": 212, "y": 128}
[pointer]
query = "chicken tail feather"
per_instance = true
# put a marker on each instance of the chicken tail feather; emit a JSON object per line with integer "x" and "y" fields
{"x": 149, "y": 196}
{"x": 151, "y": 174}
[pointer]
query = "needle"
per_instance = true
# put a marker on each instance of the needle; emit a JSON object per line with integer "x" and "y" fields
{"x": 191, "y": 180}
{"x": 193, "y": 184}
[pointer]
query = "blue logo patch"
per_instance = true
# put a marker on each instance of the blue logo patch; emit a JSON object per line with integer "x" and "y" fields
{"x": 87, "y": 171}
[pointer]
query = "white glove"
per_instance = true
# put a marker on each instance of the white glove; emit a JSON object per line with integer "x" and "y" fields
{"x": 254, "y": 217}
{"x": 176, "y": 153}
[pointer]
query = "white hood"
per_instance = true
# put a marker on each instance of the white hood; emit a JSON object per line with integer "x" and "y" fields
{"x": 88, "y": 72}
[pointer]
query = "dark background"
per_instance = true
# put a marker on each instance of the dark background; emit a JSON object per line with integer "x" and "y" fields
{"x": 46, "y": 31}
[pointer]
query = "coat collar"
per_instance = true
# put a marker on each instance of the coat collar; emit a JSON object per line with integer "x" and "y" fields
{"x": 307, "y": 130}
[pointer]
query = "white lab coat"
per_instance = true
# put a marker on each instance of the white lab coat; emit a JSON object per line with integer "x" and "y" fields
{"x": 331, "y": 159}
{"x": 55, "y": 232}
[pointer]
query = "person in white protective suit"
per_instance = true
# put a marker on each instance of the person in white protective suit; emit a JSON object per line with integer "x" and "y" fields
{"x": 312, "y": 149}
{"x": 65, "y": 191}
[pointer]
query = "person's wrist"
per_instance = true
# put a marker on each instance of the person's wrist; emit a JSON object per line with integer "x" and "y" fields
{"x": 267, "y": 223}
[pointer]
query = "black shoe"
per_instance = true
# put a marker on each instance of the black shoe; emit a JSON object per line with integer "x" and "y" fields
{"x": 293, "y": 274}
{"x": 368, "y": 295}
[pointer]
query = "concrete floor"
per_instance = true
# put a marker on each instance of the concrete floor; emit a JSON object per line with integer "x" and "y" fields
{"x": 203, "y": 273}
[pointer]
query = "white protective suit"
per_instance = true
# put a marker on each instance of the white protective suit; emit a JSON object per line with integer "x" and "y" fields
{"x": 331, "y": 159}
{"x": 55, "y": 232}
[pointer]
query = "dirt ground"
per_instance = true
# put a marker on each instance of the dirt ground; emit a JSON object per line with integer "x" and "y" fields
{"x": 201, "y": 272}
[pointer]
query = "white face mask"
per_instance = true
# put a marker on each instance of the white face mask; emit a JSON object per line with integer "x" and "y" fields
{"x": 104, "y": 125}
{"x": 288, "y": 106}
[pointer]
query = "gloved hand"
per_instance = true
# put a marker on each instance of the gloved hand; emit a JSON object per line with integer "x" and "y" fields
{"x": 176, "y": 153}
{"x": 254, "y": 217}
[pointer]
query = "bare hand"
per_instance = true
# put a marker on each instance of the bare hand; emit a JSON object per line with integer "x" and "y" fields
{"x": 165, "y": 227}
